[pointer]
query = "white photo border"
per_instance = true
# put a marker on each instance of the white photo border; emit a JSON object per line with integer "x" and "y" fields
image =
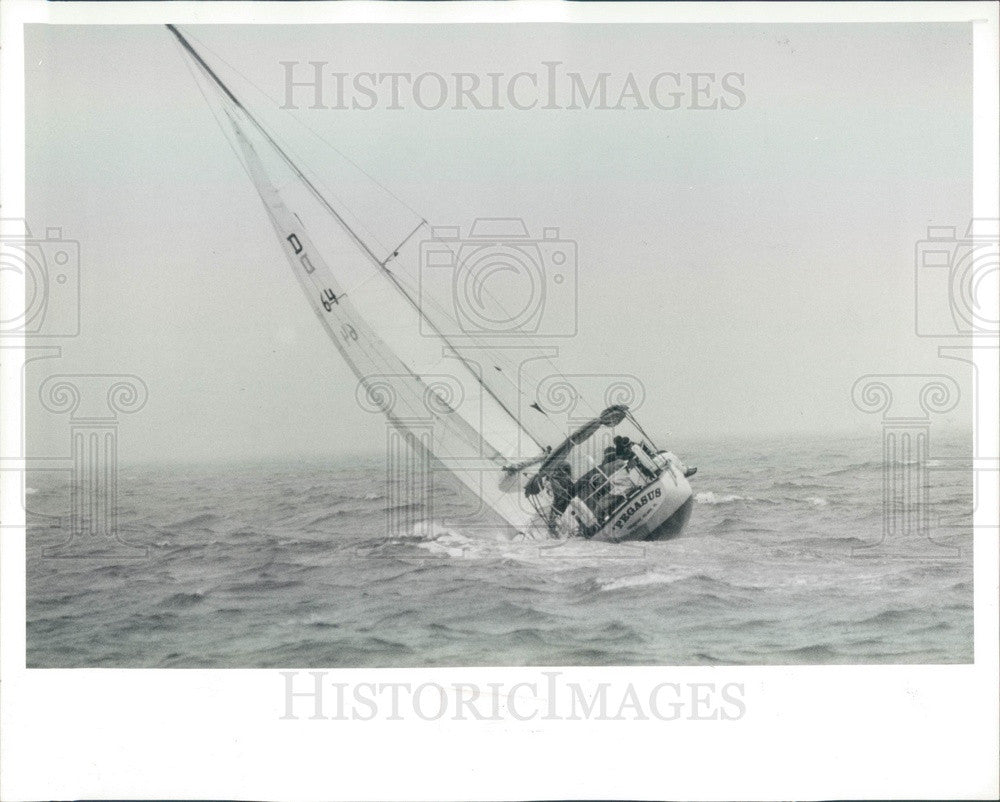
{"x": 806, "y": 731}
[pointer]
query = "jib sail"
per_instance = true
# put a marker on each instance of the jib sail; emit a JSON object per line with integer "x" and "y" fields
{"x": 460, "y": 404}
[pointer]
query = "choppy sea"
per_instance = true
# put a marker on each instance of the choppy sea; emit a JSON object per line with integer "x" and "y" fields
{"x": 292, "y": 563}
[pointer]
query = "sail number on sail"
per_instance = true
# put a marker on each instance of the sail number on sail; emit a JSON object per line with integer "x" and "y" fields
{"x": 327, "y": 297}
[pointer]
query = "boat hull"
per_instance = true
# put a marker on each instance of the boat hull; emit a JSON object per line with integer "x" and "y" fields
{"x": 657, "y": 512}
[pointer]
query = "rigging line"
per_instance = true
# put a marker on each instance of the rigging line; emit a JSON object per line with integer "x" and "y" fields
{"x": 552, "y": 366}
{"x": 398, "y": 248}
{"x": 580, "y": 398}
{"x": 642, "y": 431}
{"x": 479, "y": 379}
{"x": 226, "y": 134}
{"x": 380, "y": 353}
{"x": 493, "y": 353}
{"x": 490, "y": 350}
{"x": 498, "y": 354}
{"x": 478, "y": 441}
{"x": 218, "y": 122}
{"x": 278, "y": 149}
{"x": 510, "y": 364}
{"x": 557, "y": 372}
{"x": 319, "y": 196}
{"x": 311, "y": 130}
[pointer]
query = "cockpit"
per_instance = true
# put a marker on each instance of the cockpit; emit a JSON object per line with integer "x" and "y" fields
{"x": 583, "y": 482}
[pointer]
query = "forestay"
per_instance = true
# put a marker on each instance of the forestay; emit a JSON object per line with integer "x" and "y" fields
{"x": 459, "y": 403}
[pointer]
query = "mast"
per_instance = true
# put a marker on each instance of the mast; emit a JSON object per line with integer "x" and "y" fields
{"x": 381, "y": 264}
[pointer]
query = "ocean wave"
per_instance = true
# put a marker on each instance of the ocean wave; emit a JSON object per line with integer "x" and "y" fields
{"x": 326, "y": 517}
{"x": 149, "y": 622}
{"x": 730, "y": 522}
{"x": 441, "y": 540}
{"x": 646, "y": 579}
{"x": 344, "y": 652}
{"x": 709, "y": 497}
{"x": 436, "y": 536}
{"x": 203, "y": 521}
{"x": 764, "y": 568}
{"x": 182, "y": 600}
{"x": 323, "y": 496}
{"x": 593, "y": 657}
{"x": 617, "y": 632}
{"x": 876, "y": 464}
{"x": 177, "y": 550}
{"x": 792, "y": 484}
{"x": 29, "y": 491}
{"x": 712, "y": 498}
{"x": 842, "y": 541}
{"x": 940, "y": 626}
{"x": 891, "y": 616}
{"x": 410, "y": 505}
{"x": 445, "y": 546}
{"x": 261, "y": 585}
{"x": 814, "y": 653}
{"x": 842, "y": 471}
{"x": 526, "y": 636}
{"x": 427, "y": 530}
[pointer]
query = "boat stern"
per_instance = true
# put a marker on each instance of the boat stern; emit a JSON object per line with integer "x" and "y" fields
{"x": 659, "y": 511}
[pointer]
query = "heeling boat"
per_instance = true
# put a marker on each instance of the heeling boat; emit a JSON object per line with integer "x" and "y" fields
{"x": 466, "y": 404}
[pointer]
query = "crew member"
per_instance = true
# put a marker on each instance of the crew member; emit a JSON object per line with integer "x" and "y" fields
{"x": 623, "y": 447}
{"x": 561, "y": 483}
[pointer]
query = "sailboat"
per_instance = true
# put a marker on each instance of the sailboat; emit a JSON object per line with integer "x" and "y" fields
{"x": 453, "y": 394}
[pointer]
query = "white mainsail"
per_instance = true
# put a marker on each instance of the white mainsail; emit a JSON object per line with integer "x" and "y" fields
{"x": 463, "y": 403}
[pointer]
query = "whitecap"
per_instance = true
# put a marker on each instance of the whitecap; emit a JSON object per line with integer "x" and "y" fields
{"x": 708, "y": 497}
{"x": 439, "y": 539}
{"x": 644, "y": 580}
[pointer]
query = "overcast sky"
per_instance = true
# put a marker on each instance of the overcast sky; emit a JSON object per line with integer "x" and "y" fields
{"x": 747, "y": 264}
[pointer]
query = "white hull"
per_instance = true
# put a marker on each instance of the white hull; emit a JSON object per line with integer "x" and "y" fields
{"x": 657, "y": 512}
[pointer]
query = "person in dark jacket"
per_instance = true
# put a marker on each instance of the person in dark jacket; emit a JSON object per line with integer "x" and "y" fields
{"x": 623, "y": 447}
{"x": 561, "y": 482}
